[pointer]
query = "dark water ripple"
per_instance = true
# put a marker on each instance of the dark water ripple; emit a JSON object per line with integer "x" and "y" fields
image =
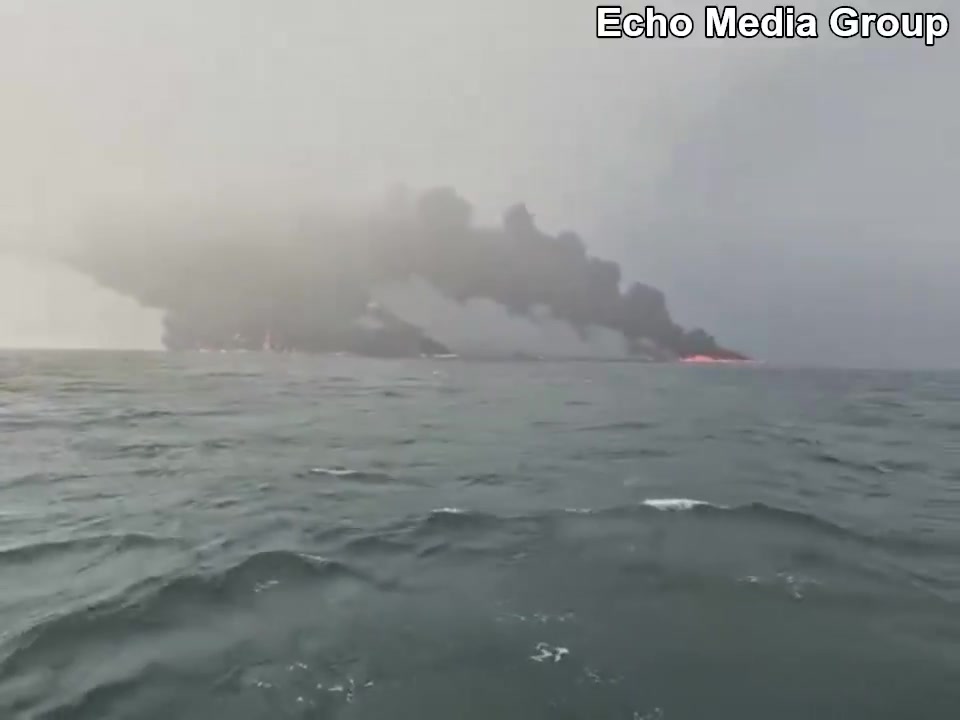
{"x": 251, "y": 536}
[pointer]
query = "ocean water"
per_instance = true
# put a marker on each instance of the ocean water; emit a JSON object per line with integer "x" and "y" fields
{"x": 256, "y": 536}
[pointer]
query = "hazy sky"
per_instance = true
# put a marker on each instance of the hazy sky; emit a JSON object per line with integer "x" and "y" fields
{"x": 790, "y": 197}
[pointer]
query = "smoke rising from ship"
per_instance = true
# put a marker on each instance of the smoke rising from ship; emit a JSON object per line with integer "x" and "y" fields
{"x": 226, "y": 283}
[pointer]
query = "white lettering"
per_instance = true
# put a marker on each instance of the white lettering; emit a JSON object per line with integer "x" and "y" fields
{"x": 888, "y": 26}
{"x": 807, "y": 26}
{"x": 845, "y": 22}
{"x": 721, "y": 26}
{"x": 848, "y": 22}
{"x": 633, "y": 25}
{"x": 681, "y": 25}
{"x": 783, "y": 22}
{"x": 748, "y": 26}
{"x": 608, "y": 22}
{"x": 937, "y": 26}
{"x": 611, "y": 23}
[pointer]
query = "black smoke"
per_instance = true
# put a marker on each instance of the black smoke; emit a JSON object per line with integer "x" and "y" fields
{"x": 304, "y": 284}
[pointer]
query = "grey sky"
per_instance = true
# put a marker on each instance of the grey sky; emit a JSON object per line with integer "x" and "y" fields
{"x": 743, "y": 178}
{"x": 811, "y": 218}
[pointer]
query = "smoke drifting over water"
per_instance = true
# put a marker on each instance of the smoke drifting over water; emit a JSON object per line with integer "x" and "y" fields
{"x": 49, "y": 305}
{"x": 792, "y": 196}
{"x": 481, "y": 326}
{"x": 303, "y": 282}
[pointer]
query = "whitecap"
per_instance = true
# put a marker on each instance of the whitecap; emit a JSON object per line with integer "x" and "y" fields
{"x": 656, "y": 714}
{"x": 336, "y": 472}
{"x": 677, "y": 504}
{"x": 260, "y": 587}
{"x": 547, "y": 652}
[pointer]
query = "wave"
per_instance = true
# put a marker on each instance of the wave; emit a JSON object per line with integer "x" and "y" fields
{"x": 446, "y": 523}
{"x": 335, "y": 472}
{"x": 120, "y": 418}
{"x": 31, "y": 552}
{"x": 494, "y": 479}
{"x": 863, "y": 466}
{"x": 272, "y": 583}
{"x": 450, "y": 523}
{"x": 164, "y": 601}
{"x": 458, "y": 519}
{"x": 348, "y": 474}
{"x": 378, "y": 544}
{"x": 452, "y": 519}
{"x": 42, "y": 478}
{"x": 149, "y": 450}
{"x": 753, "y": 510}
{"x": 632, "y": 453}
{"x": 762, "y": 512}
{"x": 627, "y": 425}
{"x": 170, "y": 599}
{"x": 805, "y": 539}
{"x": 95, "y": 387}
{"x": 676, "y": 504}
{"x": 144, "y": 618}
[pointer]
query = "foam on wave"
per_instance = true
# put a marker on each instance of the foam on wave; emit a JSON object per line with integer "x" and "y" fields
{"x": 678, "y": 504}
{"x": 335, "y": 472}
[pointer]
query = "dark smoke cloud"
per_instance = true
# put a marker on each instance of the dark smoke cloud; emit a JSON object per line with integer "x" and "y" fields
{"x": 305, "y": 283}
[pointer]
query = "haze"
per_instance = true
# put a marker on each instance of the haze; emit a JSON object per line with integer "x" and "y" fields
{"x": 789, "y": 197}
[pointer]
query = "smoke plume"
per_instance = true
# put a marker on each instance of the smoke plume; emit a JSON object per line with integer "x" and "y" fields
{"x": 481, "y": 327}
{"x": 304, "y": 281}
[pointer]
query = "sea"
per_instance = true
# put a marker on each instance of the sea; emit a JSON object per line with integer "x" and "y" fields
{"x": 256, "y": 537}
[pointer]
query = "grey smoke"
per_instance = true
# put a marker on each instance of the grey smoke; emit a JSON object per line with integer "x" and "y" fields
{"x": 481, "y": 326}
{"x": 794, "y": 198}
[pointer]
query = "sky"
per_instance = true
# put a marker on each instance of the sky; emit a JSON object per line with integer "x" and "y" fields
{"x": 789, "y": 196}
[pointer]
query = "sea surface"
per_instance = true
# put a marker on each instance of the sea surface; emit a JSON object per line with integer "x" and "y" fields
{"x": 258, "y": 537}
